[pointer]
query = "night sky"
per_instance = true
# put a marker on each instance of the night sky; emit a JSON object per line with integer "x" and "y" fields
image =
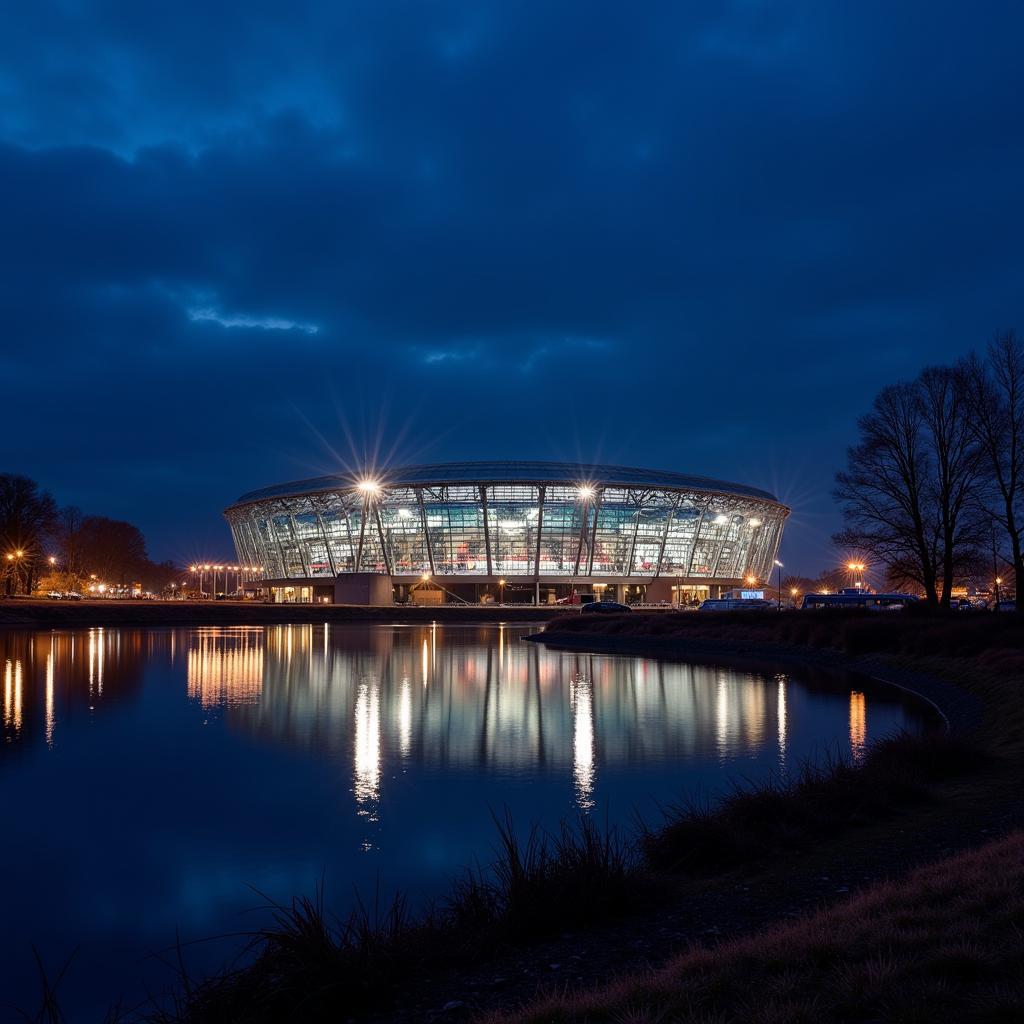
{"x": 241, "y": 248}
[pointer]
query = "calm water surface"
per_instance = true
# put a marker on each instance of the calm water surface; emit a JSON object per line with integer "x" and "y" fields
{"x": 147, "y": 777}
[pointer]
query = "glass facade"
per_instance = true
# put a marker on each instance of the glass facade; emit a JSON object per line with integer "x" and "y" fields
{"x": 539, "y": 528}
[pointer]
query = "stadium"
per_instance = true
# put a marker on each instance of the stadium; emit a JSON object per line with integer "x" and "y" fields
{"x": 508, "y": 532}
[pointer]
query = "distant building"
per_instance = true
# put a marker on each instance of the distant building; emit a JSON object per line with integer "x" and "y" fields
{"x": 513, "y": 532}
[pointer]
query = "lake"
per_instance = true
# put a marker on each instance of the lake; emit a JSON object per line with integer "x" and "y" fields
{"x": 152, "y": 779}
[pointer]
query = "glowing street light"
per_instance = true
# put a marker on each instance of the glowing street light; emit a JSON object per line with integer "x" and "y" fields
{"x": 501, "y": 585}
{"x": 368, "y": 487}
{"x": 13, "y": 574}
{"x": 779, "y": 587}
{"x": 585, "y": 491}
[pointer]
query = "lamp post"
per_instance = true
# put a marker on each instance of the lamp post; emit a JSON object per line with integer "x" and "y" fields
{"x": 501, "y": 587}
{"x": 779, "y": 584}
{"x": 13, "y": 567}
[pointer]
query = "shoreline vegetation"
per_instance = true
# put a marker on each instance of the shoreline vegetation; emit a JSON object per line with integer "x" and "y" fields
{"x": 913, "y": 800}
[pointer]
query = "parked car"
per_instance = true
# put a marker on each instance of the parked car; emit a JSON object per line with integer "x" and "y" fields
{"x": 605, "y": 607}
{"x": 55, "y": 595}
{"x": 72, "y": 595}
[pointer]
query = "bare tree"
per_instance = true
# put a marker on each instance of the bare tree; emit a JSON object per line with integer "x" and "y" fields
{"x": 956, "y": 461}
{"x": 67, "y": 535}
{"x": 27, "y": 515}
{"x": 113, "y": 550}
{"x": 995, "y": 392}
{"x": 905, "y": 493}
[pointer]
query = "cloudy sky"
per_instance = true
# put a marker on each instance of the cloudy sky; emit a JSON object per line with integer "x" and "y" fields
{"x": 244, "y": 246}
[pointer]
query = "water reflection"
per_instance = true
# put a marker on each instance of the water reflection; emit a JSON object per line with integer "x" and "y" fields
{"x": 166, "y": 769}
{"x": 367, "y": 748}
{"x": 582, "y": 701}
{"x": 858, "y": 725}
{"x": 225, "y": 667}
{"x": 467, "y": 699}
{"x": 50, "y": 677}
{"x": 12, "y": 695}
{"x": 486, "y": 702}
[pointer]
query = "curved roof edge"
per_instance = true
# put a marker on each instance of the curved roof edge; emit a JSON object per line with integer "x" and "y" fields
{"x": 509, "y": 472}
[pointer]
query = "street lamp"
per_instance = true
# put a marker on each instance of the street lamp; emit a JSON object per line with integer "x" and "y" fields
{"x": 779, "y": 583}
{"x": 855, "y": 569}
{"x": 14, "y": 557}
{"x": 501, "y": 584}
{"x": 999, "y": 580}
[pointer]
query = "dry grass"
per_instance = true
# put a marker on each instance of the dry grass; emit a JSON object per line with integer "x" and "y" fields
{"x": 757, "y": 821}
{"x": 946, "y": 943}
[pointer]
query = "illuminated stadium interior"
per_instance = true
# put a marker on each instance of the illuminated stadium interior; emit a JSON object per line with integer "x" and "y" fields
{"x": 520, "y": 532}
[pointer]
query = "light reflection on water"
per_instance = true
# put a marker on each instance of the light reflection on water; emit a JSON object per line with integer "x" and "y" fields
{"x": 151, "y": 774}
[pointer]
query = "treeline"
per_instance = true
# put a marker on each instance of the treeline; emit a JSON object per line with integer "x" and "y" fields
{"x": 43, "y": 546}
{"x": 934, "y": 489}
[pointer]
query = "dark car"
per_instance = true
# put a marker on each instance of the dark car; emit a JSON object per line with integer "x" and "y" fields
{"x": 605, "y": 607}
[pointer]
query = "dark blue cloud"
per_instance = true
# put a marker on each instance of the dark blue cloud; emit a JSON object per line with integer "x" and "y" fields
{"x": 240, "y": 242}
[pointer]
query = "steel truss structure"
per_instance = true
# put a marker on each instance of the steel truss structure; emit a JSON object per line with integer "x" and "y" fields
{"x": 518, "y": 519}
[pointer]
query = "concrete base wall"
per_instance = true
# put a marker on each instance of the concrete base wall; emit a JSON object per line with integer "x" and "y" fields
{"x": 363, "y": 588}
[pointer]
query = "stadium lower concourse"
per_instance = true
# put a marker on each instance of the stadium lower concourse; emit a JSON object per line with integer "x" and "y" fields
{"x": 507, "y": 532}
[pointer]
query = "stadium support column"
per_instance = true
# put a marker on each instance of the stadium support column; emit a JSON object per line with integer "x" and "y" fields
{"x": 664, "y": 534}
{"x": 426, "y": 530}
{"x": 593, "y": 532}
{"x": 385, "y": 553}
{"x": 696, "y": 538}
{"x": 323, "y": 536}
{"x": 540, "y": 527}
{"x": 487, "y": 530}
{"x": 362, "y": 533}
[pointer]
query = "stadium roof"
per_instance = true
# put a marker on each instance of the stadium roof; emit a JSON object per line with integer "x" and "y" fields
{"x": 441, "y": 473}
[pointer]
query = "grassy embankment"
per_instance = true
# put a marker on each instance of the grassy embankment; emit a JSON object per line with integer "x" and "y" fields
{"x": 310, "y": 967}
{"x": 943, "y": 944}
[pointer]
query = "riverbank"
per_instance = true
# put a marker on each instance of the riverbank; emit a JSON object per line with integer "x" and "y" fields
{"x": 592, "y": 905}
{"x": 937, "y": 943}
{"x": 45, "y": 614}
